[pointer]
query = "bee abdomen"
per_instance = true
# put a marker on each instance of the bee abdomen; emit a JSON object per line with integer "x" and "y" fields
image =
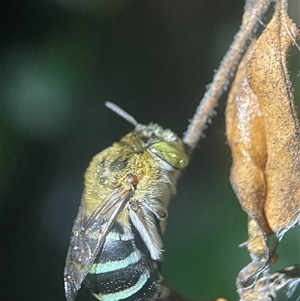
{"x": 131, "y": 283}
{"x": 122, "y": 272}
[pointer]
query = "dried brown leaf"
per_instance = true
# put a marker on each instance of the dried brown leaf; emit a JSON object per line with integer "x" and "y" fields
{"x": 263, "y": 132}
{"x": 264, "y": 135}
{"x": 268, "y": 78}
{"x": 246, "y": 136}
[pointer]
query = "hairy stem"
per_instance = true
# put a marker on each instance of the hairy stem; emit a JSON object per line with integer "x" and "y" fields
{"x": 224, "y": 74}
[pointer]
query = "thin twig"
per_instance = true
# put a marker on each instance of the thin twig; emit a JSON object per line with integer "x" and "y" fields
{"x": 224, "y": 74}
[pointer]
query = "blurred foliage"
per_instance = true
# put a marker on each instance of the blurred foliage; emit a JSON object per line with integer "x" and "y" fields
{"x": 61, "y": 61}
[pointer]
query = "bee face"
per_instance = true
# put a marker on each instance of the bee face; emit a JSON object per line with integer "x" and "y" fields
{"x": 163, "y": 144}
{"x": 117, "y": 232}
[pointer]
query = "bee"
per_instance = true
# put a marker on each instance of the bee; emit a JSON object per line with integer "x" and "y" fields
{"x": 116, "y": 244}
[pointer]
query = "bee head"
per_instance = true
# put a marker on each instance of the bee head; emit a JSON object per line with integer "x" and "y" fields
{"x": 162, "y": 143}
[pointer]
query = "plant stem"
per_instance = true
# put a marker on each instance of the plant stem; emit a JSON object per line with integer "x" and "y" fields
{"x": 224, "y": 73}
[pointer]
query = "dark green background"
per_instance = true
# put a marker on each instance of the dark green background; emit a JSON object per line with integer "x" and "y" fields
{"x": 61, "y": 61}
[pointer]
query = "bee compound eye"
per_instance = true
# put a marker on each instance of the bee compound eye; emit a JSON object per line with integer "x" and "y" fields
{"x": 176, "y": 157}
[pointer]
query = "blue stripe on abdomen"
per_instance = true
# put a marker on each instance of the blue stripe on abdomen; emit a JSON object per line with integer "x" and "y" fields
{"x": 109, "y": 266}
{"x": 122, "y": 272}
{"x": 123, "y": 279}
{"x": 127, "y": 282}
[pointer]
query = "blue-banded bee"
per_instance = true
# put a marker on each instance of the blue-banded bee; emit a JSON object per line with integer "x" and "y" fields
{"x": 116, "y": 245}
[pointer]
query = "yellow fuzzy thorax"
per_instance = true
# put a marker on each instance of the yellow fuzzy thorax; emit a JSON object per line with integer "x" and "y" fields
{"x": 110, "y": 169}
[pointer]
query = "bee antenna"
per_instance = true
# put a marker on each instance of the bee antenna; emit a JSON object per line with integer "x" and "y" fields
{"x": 121, "y": 113}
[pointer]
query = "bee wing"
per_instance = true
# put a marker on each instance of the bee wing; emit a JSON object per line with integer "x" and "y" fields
{"x": 88, "y": 236}
{"x": 143, "y": 220}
